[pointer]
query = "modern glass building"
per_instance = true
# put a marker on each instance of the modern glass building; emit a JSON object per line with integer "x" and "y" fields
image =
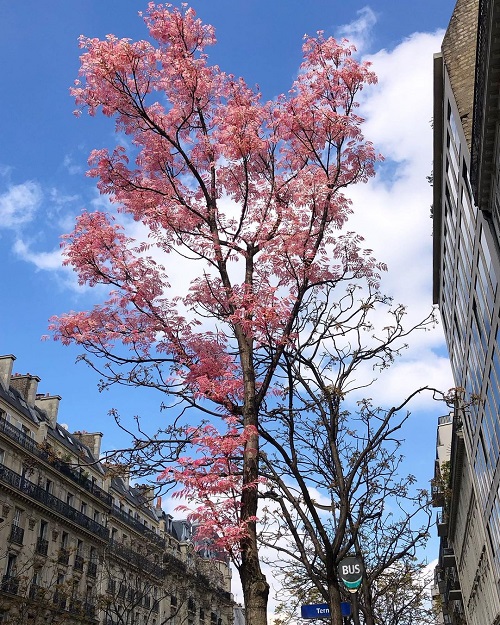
{"x": 466, "y": 230}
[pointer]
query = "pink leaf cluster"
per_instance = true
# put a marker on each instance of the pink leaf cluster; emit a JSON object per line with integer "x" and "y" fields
{"x": 212, "y": 481}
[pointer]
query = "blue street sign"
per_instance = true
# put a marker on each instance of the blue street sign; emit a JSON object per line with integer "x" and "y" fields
{"x": 315, "y": 610}
{"x": 345, "y": 608}
{"x": 321, "y": 610}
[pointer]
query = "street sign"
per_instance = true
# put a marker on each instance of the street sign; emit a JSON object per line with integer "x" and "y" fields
{"x": 322, "y": 610}
{"x": 350, "y": 571}
{"x": 315, "y": 610}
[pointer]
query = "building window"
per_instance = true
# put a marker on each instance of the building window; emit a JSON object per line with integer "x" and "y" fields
{"x": 11, "y": 565}
{"x": 69, "y": 499}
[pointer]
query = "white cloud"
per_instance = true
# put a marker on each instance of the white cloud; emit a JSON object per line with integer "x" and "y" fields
{"x": 71, "y": 167}
{"x": 392, "y": 211}
{"x": 49, "y": 261}
{"x": 359, "y": 31}
{"x": 42, "y": 260}
{"x": 19, "y": 204}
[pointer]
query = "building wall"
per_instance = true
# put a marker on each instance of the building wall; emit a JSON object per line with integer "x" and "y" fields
{"x": 466, "y": 275}
{"x": 78, "y": 544}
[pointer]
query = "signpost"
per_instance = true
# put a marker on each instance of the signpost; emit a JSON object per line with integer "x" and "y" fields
{"x": 350, "y": 571}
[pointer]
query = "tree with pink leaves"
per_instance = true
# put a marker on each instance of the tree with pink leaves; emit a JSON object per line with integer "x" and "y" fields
{"x": 251, "y": 193}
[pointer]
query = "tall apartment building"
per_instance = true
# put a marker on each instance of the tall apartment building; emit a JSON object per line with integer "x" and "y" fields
{"x": 78, "y": 543}
{"x": 466, "y": 225}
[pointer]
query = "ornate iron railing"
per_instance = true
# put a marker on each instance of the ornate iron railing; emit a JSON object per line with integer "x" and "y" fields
{"x": 21, "y": 484}
{"x": 63, "y": 467}
{"x": 41, "y": 546}
{"x": 16, "y": 535}
{"x": 139, "y": 527}
{"x": 137, "y": 559}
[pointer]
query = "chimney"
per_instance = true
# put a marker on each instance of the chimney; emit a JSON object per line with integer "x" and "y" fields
{"x": 6, "y": 364}
{"x": 92, "y": 440}
{"x": 148, "y": 492}
{"x": 26, "y": 385}
{"x": 50, "y": 405}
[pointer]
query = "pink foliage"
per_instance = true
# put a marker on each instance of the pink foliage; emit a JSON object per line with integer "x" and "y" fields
{"x": 212, "y": 482}
{"x": 217, "y": 176}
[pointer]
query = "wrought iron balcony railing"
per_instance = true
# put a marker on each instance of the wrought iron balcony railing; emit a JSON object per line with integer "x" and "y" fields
{"x": 78, "y": 563}
{"x": 21, "y": 484}
{"x": 63, "y": 467}
{"x": 75, "y": 606}
{"x": 63, "y": 556}
{"x": 137, "y": 559}
{"x": 36, "y": 592}
{"x": 16, "y": 534}
{"x": 10, "y": 584}
{"x": 41, "y": 546}
{"x": 59, "y": 599}
{"x": 89, "y": 609}
{"x": 92, "y": 569}
{"x": 139, "y": 527}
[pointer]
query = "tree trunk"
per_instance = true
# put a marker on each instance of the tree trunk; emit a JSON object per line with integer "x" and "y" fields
{"x": 334, "y": 604}
{"x": 255, "y": 590}
{"x": 253, "y": 581}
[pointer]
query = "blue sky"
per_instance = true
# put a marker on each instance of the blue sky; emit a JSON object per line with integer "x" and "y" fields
{"x": 44, "y": 148}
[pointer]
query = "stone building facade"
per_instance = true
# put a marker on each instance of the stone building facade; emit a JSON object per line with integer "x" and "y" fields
{"x": 78, "y": 543}
{"x": 466, "y": 275}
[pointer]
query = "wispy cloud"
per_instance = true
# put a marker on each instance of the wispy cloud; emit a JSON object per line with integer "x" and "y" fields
{"x": 70, "y": 165}
{"x": 19, "y": 204}
{"x": 48, "y": 261}
{"x": 359, "y": 31}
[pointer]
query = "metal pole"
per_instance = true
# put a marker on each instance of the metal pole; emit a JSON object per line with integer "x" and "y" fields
{"x": 355, "y": 608}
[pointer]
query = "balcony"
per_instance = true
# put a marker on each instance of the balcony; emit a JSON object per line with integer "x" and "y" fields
{"x": 20, "y": 484}
{"x": 89, "y": 609}
{"x": 137, "y": 559}
{"x": 92, "y": 569}
{"x": 41, "y": 546}
{"x": 448, "y": 557}
{"x": 59, "y": 599}
{"x": 453, "y": 591}
{"x": 36, "y": 592}
{"x": 63, "y": 556}
{"x": 33, "y": 447}
{"x": 442, "y": 525}
{"x": 139, "y": 527}
{"x": 173, "y": 561}
{"x": 10, "y": 584}
{"x": 437, "y": 495}
{"x": 75, "y": 606}
{"x": 78, "y": 563}
{"x": 16, "y": 534}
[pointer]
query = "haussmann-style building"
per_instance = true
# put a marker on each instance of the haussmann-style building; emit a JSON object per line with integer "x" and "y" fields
{"x": 78, "y": 543}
